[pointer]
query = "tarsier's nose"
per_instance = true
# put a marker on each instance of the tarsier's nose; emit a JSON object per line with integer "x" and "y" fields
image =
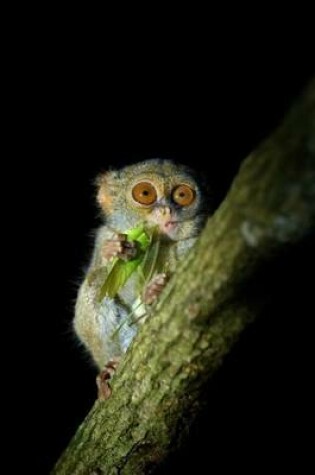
{"x": 162, "y": 214}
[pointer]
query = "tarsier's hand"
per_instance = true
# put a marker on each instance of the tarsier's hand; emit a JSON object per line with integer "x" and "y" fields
{"x": 119, "y": 247}
{"x": 154, "y": 288}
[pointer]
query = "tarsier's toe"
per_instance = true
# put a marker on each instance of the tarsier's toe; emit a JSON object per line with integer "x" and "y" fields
{"x": 102, "y": 380}
{"x": 154, "y": 288}
{"x": 104, "y": 390}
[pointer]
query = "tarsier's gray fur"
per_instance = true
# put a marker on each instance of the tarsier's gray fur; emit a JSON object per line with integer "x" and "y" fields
{"x": 96, "y": 322}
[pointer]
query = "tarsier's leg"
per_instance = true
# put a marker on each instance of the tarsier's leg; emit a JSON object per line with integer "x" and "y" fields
{"x": 151, "y": 293}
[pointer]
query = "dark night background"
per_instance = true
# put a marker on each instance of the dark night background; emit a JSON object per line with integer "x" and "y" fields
{"x": 77, "y": 123}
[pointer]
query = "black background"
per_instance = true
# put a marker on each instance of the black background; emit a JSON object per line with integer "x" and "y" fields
{"x": 75, "y": 123}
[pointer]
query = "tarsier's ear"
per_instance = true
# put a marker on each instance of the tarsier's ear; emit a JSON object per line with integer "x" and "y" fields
{"x": 104, "y": 197}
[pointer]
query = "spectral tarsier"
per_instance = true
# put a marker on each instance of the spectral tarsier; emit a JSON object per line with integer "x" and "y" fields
{"x": 154, "y": 211}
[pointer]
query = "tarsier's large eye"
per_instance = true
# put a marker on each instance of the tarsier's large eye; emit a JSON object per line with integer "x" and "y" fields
{"x": 144, "y": 193}
{"x": 183, "y": 195}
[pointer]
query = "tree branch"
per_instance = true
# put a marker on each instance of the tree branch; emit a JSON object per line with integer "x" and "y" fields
{"x": 158, "y": 387}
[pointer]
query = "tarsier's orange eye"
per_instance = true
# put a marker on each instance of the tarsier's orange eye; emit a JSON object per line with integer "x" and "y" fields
{"x": 183, "y": 195}
{"x": 144, "y": 193}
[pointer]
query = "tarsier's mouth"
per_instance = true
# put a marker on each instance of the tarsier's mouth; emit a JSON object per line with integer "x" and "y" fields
{"x": 168, "y": 226}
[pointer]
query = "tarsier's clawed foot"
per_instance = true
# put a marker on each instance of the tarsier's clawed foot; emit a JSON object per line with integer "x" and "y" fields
{"x": 119, "y": 247}
{"x": 154, "y": 288}
{"x": 102, "y": 380}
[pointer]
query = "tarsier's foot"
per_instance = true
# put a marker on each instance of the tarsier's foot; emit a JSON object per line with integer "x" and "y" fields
{"x": 102, "y": 380}
{"x": 154, "y": 288}
{"x": 119, "y": 247}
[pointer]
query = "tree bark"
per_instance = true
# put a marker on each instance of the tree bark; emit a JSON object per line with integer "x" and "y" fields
{"x": 157, "y": 390}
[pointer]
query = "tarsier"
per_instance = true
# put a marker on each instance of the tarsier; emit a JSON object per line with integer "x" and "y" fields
{"x": 154, "y": 211}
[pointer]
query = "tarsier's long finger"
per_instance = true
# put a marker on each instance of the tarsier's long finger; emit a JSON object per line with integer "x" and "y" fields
{"x": 121, "y": 237}
{"x": 159, "y": 279}
{"x": 154, "y": 288}
{"x": 104, "y": 390}
{"x": 153, "y": 292}
{"x": 119, "y": 247}
{"x": 111, "y": 249}
{"x": 102, "y": 380}
{"x": 114, "y": 243}
{"x": 157, "y": 287}
{"x": 127, "y": 252}
{"x": 129, "y": 245}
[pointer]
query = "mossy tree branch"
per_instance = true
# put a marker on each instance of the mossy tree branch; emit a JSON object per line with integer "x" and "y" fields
{"x": 157, "y": 389}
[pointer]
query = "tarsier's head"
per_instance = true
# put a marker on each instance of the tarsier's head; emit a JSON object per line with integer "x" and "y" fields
{"x": 158, "y": 192}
